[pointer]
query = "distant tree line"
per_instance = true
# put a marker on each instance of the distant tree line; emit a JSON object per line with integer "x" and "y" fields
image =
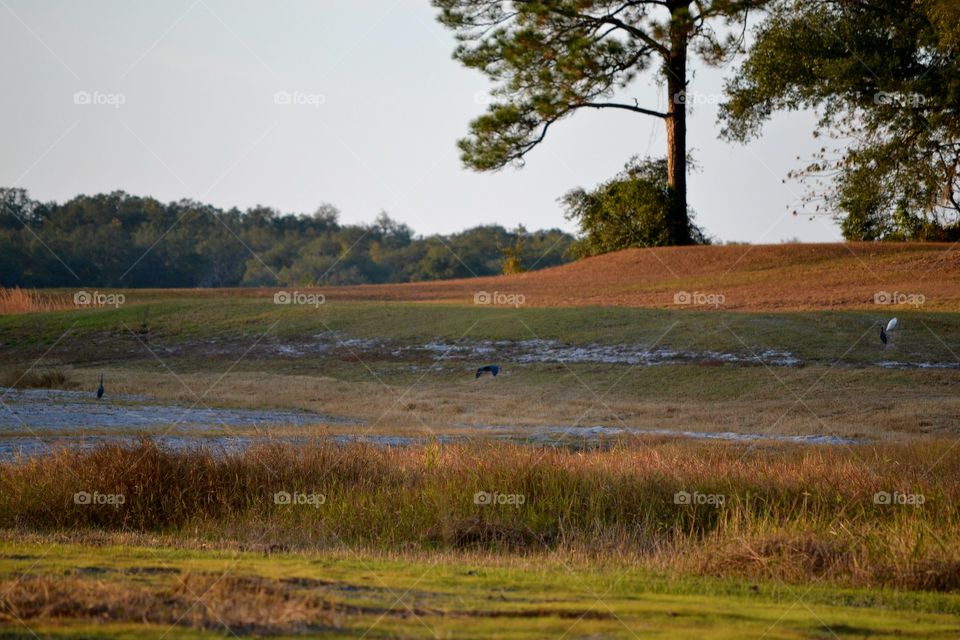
{"x": 121, "y": 240}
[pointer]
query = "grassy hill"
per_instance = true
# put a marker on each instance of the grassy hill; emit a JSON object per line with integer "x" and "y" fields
{"x": 797, "y": 277}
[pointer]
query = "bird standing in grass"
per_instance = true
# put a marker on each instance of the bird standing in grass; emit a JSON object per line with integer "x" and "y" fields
{"x": 885, "y": 330}
{"x": 493, "y": 369}
{"x": 100, "y": 388}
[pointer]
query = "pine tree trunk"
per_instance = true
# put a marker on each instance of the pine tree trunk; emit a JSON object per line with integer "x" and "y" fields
{"x": 676, "y": 121}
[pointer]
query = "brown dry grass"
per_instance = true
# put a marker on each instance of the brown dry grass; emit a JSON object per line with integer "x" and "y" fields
{"x": 783, "y": 277}
{"x": 17, "y": 300}
{"x": 39, "y": 378}
{"x": 793, "y": 512}
{"x": 239, "y": 604}
{"x": 786, "y": 277}
{"x": 852, "y": 403}
{"x": 802, "y": 558}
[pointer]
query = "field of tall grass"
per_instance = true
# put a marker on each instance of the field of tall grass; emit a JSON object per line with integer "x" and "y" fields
{"x": 875, "y": 516}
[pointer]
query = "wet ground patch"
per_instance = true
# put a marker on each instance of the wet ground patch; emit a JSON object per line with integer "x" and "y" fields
{"x": 45, "y": 410}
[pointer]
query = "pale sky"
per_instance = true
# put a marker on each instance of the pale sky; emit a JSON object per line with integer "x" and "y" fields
{"x": 177, "y": 100}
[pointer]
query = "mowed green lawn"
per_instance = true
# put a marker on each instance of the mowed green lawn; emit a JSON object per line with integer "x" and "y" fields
{"x": 347, "y": 594}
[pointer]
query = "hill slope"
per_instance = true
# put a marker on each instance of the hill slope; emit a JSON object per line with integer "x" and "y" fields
{"x": 749, "y": 277}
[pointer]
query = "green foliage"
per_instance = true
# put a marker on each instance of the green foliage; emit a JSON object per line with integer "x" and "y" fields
{"x": 630, "y": 210}
{"x": 119, "y": 240}
{"x": 512, "y": 255}
{"x": 551, "y": 58}
{"x": 885, "y": 79}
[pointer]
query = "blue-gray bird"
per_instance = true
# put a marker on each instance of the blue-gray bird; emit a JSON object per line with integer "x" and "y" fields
{"x": 490, "y": 368}
{"x": 100, "y": 388}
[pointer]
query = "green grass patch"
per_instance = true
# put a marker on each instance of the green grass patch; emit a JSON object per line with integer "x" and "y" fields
{"x": 461, "y": 596}
{"x": 848, "y": 336}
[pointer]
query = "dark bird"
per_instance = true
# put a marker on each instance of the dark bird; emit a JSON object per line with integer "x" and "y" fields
{"x": 490, "y": 368}
{"x": 100, "y": 388}
{"x": 885, "y": 330}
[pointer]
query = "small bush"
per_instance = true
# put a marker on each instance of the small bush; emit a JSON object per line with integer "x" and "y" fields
{"x": 631, "y": 210}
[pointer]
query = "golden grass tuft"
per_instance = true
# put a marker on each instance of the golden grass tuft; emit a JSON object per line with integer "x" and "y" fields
{"x": 43, "y": 378}
{"x": 16, "y": 301}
